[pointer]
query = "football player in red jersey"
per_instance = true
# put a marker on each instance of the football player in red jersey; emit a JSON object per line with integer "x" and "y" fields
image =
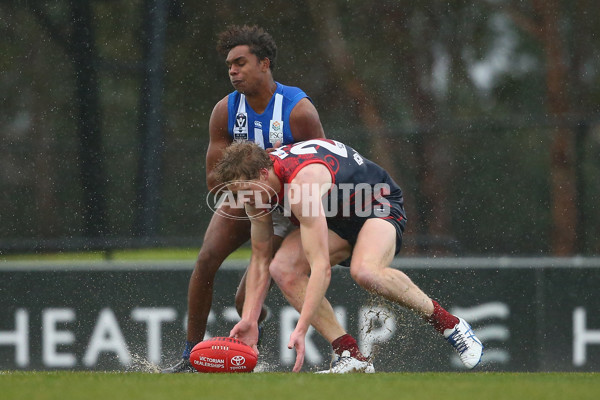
{"x": 364, "y": 222}
{"x": 263, "y": 111}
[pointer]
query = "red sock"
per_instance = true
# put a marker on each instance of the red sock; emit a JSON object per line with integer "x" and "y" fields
{"x": 441, "y": 319}
{"x": 347, "y": 342}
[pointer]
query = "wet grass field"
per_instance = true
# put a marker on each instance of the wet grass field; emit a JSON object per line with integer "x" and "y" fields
{"x": 288, "y": 386}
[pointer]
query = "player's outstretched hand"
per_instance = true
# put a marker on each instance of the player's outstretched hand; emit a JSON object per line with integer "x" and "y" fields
{"x": 247, "y": 332}
{"x": 297, "y": 342}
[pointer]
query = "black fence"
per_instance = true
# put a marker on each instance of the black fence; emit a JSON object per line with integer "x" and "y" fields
{"x": 533, "y": 314}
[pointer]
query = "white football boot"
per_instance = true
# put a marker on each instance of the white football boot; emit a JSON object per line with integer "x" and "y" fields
{"x": 346, "y": 364}
{"x": 464, "y": 341}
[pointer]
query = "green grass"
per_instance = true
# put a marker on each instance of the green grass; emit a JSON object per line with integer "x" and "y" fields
{"x": 162, "y": 254}
{"x": 266, "y": 386}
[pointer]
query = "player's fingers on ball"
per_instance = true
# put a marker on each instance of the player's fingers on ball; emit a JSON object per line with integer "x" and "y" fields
{"x": 255, "y": 348}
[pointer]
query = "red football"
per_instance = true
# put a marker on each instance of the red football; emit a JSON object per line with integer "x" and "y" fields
{"x": 223, "y": 354}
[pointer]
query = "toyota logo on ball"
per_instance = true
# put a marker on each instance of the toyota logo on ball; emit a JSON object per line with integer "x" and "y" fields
{"x": 238, "y": 360}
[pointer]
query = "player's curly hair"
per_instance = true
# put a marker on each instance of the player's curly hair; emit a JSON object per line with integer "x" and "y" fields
{"x": 242, "y": 160}
{"x": 260, "y": 42}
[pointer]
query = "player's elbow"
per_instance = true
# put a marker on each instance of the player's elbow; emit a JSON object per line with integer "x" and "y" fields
{"x": 324, "y": 270}
{"x": 328, "y": 274}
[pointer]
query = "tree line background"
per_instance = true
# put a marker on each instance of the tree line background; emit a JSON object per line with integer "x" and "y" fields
{"x": 485, "y": 112}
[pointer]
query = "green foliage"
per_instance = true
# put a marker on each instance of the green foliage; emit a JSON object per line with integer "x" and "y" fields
{"x": 428, "y": 66}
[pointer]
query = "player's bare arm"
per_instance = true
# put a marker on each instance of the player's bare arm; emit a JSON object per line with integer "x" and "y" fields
{"x": 258, "y": 278}
{"x": 304, "y": 121}
{"x": 219, "y": 140}
{"x": 313, "y": 181}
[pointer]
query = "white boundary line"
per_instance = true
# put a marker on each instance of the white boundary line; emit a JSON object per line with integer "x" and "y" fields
{"x": 399, "y": 262}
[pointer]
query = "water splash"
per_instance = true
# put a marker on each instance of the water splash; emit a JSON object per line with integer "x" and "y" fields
{"x": 141, "y": 364}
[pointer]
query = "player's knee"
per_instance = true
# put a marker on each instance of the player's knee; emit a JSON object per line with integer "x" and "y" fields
{"x": 276, "y": 269}
{"x": 208, "y": 261}
{"x": 281, "y": 273}
{"x": 363, "y": 275}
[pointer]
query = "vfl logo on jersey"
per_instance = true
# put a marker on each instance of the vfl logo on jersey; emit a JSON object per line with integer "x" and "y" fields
{"x": 240, "y": 129}
{"x": 276, "y": 131}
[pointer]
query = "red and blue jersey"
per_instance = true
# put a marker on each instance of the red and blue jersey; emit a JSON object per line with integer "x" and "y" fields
{"x": 355, "y": 180}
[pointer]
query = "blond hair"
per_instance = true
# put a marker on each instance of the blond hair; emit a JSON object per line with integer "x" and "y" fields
{"x": 242, "y": 160}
